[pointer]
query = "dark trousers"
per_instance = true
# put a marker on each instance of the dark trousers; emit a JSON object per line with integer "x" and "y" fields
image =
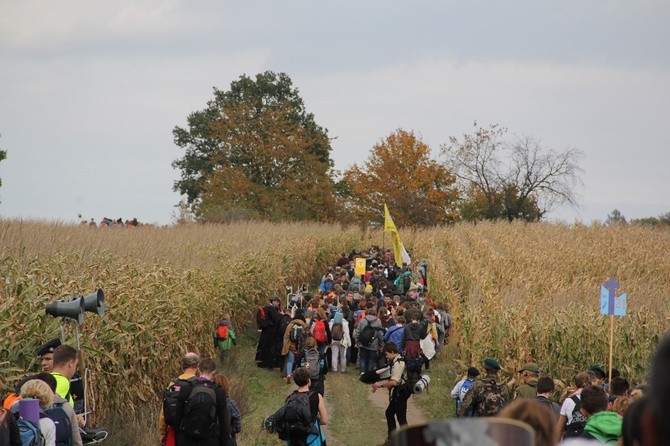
{"x": 397, "y": 409}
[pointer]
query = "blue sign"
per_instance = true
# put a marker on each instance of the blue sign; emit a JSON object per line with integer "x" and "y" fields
{"x": 610, "y": 304}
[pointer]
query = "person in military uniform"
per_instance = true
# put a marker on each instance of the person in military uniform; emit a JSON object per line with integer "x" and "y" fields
{"x": 487, "y": 396}
{"x": 46, "y": 354}
{"x": 530, "y": 373}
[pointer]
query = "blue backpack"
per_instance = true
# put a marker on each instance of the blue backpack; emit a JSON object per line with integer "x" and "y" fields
{"x": 30, "y": 433}
{"x": 467, "y": 384}
{"x": 63, "y": 426}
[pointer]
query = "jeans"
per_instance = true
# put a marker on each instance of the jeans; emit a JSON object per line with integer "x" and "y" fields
{"x": 367, "y": 359}
{"x": 290, "y": 357}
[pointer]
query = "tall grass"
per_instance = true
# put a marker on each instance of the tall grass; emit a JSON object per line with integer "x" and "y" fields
{"x": 516, "y": 291}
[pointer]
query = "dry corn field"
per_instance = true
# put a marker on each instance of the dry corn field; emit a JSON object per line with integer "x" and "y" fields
{"x": 515, "y": 290}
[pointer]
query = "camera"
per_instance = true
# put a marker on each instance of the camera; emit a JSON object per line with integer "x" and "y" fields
{"x": 421, "y": 384}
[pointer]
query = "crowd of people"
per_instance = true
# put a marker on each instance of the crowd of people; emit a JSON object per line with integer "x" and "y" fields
{"x": 380, "y": 320}
{"x": 384, "y": 322}
{"x": 111, "y": 223}
{"x": 56, "y": 391}
{"x": 377, "y": 317}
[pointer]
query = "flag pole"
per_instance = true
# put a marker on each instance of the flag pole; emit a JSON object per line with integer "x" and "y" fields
{"x": 611, "y": 346}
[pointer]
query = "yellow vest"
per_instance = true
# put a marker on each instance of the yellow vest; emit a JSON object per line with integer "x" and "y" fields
{"x": 63, "y": 387}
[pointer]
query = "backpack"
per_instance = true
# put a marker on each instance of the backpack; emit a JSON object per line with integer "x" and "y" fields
{"x": 222, "y": 332}
{"x": 171, "y": 399}
{"x": 312, "y": 360}
{"x": 30, "y": 433}
{"x": 319, "y": 332}
{"x": 368, "y": 334}
{"x": 62, "y": 421}
{"x": 337, "y": 332}
{"x": 467, "y": 385}
{"x": 293, "y": 421}
{"x": 295, "y": 335}
{"x": 406, "y": 282}
{"x": 490, "y": 399}
{"x": 200, "y": 418}
{"x": 262, "y": 320}
{"x": 576, "y": 427}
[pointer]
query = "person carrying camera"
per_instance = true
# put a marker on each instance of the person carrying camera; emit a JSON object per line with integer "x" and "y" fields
{"x": 398, "y": 393}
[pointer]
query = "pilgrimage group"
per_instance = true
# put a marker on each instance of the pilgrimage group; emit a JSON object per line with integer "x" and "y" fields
{"x": 371, "y": 317}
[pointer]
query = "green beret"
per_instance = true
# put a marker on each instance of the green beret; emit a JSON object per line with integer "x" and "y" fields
{"x": 531, "y": 367}
{"x": 492, "y": 364}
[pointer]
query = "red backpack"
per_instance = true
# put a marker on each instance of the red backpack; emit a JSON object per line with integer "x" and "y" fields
{"x": 319, "y": 332}
{"x": 222, "y": 332}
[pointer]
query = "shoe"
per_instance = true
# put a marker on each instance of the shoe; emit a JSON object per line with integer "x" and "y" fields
{"x": 288, "y": 379}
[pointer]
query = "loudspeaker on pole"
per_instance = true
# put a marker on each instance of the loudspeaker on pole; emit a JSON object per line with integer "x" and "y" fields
{"x": 73, "y": 309}
{"x": 95, "y": 303}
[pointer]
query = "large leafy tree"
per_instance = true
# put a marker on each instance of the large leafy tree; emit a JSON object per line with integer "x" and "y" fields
{"x": 255, "y": 152}
{"x": 513, "y": 180}
{"x": 399, "y": 172}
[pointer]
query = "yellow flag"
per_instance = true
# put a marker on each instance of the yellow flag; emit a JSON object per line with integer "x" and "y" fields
{"x": 389, "y": 226}
{"x": 399, "y": 253}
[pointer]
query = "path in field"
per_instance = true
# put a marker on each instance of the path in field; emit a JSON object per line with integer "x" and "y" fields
{"x": 380, "y": 399}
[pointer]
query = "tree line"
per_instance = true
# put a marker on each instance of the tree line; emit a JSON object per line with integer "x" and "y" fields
{"x": 254, "y": 152}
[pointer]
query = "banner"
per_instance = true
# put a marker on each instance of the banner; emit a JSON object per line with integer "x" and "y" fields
{"x": 399, "y": 252}
{"x": 360, "y": 266}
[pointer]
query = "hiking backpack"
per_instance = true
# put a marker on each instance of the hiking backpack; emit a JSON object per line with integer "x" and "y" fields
{"x": 576, "y": 427}
{"x": 319, "y": 332}
{"x": 30, "y": 433}
{"x": 62, "y": 421}
{"x": 467, "y": 385}
{"x": 293, "y": 421}
{"x": 200, "y": 417}
{"x": 312, "y": 360}
{"x": 171, "y": 399}
{"x": 337, "y": 332}
{"x": 295, "y": 335}
{"x": 368, "y": 334}
{"x": 222, "y": 331}
{"x": 490, "y": 399}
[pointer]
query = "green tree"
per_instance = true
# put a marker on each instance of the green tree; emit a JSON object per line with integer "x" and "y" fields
{"x": 615, "y": 218}
{"x": 254, "y": 152}
{"x": 418, "y": 190}
{"x": 510, "y": 180}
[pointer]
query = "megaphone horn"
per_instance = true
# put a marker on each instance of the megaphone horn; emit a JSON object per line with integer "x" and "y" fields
{"x": 73, "y": 309}
{"x": 95, "y": 303}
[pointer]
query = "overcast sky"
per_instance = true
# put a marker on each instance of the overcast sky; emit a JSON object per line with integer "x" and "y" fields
{"x": 90, "y": 91}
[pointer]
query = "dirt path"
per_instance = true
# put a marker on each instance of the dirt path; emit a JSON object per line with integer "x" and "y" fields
{"x": 381, "y": 399}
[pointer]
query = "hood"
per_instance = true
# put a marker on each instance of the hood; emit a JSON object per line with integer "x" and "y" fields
{"x": 604, "y": 426}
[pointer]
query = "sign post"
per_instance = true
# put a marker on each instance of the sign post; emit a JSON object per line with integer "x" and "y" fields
{"x": 612, "y": 305}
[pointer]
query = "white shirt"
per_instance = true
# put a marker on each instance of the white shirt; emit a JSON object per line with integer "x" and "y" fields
{"x": 568, "y": 407}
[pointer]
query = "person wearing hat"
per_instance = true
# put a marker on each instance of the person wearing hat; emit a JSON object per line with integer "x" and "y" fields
{"x": 487, "y": 396}
{"x": 530, "y": 373}
{"x": 46, "y": 354}
{"x": 599, "y": 373}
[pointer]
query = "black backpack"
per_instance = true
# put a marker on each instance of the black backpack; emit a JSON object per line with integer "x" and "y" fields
{"x": 200, "y": 417}
{"x": 576, "y": 428}
{"x": 62, "y": 421}
{"x": 296, "y": 334}
{"x": 368, "y": 334}
{"x": 171, "y": 399}
{"x": 293, "y": 421}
